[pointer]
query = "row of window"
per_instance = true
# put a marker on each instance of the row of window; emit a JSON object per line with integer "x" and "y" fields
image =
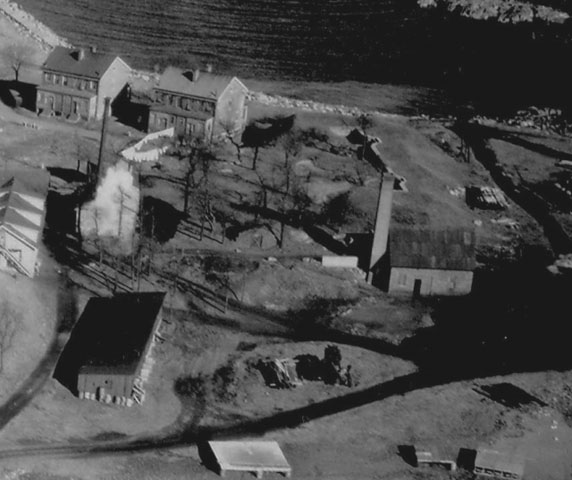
{"x": 72, "y": 82}
{"x": 75, "y": 105}
{"x": 184, "y": 103}
{"x": 163, "y": 122}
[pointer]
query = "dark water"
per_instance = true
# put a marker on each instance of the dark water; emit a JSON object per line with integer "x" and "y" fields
{"x": 326, "y": 40}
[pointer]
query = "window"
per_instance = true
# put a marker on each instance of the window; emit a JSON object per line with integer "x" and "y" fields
{"x": 56, "y": 79}
{"x": 40, "y": 97}
{"x": 65, "y": 81}
{"x": 92, "y": 85}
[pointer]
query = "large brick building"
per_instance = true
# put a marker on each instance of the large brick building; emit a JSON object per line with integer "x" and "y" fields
{"x": 75, "y": 83}
{"x": 197, "y": 103}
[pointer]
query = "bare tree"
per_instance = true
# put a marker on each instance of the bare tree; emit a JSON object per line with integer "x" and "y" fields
{"x": 229, "y": 128}
{"x": 9, "y": 321}
{"x": 15, "y": 55}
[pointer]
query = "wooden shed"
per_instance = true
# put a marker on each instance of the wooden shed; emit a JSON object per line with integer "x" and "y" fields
{"x": 108, "y": 355}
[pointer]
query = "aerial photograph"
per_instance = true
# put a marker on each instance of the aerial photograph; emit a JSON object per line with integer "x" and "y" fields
{"x": 307, "y": 239}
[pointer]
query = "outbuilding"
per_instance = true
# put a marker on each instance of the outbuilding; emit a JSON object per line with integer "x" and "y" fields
{"x": 426, "y": 262}
{"x": 491, "y": 463}
{"x": 108, "y": 356}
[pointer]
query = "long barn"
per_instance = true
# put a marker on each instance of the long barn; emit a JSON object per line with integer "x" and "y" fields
{"x": 108, "y": 356}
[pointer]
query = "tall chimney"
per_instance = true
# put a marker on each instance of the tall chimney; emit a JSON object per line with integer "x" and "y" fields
{"x": 81, "y": 54}
{"x": 107, "y": 102}
{"x": 196, "y": 73}
{"x": 382, "y": 221}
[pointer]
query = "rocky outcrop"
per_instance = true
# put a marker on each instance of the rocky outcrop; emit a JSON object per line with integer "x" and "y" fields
{"x": 504, "y": 11}
{"x": 30, "y": 27}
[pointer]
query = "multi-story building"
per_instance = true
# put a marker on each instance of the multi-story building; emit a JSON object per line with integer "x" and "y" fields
{"x": 199, "y": 104}
{"x": 75, "y": 83}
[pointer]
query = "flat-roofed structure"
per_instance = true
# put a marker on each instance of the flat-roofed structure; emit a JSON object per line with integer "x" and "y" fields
{"x": 491, "y": 463}
{"x": 108, "y": 356}
{"x": 250, "y": 456}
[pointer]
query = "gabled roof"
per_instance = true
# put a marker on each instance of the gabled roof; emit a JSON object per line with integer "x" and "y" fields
{"x": 12, "y": 199}
{"x": 28, "y": 182}
{"x": 207, "y": 85}
{"x": 112, "y": 333}
{"x": 67, "y": 60}
{"x": 448, "y": 249}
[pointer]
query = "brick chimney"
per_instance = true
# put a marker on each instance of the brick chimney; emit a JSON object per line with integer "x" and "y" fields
{"x": 382, "y": 221}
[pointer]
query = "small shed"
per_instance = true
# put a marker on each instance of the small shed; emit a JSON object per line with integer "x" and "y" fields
{"x": 491, "y": 463}
{"x": 250, "y": 456}
{"x": 431, "y": 262}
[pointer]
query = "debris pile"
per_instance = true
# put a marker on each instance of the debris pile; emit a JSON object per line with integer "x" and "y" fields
{"x": 289, "y": 373}
{"x": 485, "y": 198}
{"x": 548, "y": 119}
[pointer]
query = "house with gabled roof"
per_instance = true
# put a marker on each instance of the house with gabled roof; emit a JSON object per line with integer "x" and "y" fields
{"x": 75, "y": 83}
{"x": 196, "y": 103}
{"x": 22, "y": 212}
{"x": 425, "y": 261}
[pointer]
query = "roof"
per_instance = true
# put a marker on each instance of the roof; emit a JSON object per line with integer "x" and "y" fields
{"x": 34, "y": 182}
{"x": 207, "y": 85}
{"x": 448, "y": 249}
{"x": 12, "y": 202}
{"x": 67, "y": 60}
{"x": 504, "y": 462}
{"x": 112, "y": 333}
{"x": 249, "y": 454}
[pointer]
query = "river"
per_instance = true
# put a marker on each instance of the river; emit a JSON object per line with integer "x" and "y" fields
{"x": 373, "y": 41}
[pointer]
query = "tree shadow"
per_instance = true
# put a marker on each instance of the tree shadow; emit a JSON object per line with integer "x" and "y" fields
{"x": 160, "y": 220}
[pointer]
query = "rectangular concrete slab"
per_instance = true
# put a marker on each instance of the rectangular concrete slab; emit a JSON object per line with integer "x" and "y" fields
{"x": 255, "y": 456}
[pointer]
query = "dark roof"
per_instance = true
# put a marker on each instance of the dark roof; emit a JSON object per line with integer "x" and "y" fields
{"x": 66, "y": 60}
{"x": 112, "y": 333}
{"x": 449, "y": 249}
{"x": 207, "y": 85}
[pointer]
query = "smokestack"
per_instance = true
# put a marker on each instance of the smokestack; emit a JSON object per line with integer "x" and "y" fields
{"x": 382, "y": 221}
{"x": 102, "y": 140}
